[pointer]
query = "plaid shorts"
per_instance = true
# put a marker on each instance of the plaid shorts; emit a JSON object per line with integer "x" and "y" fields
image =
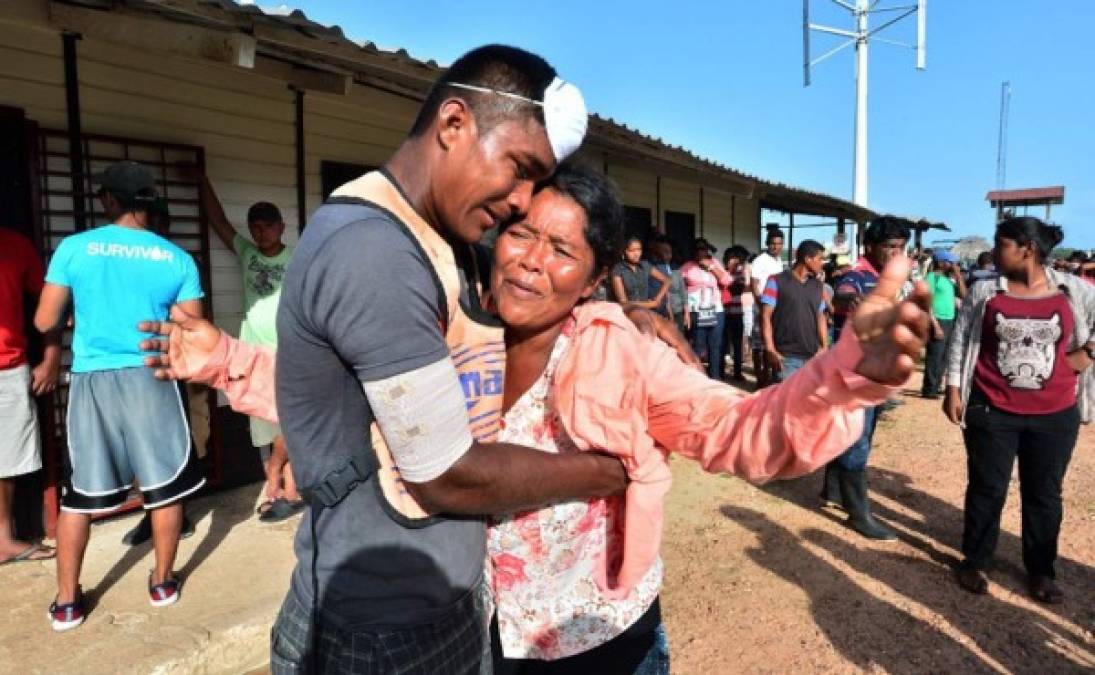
{"x": 454, "y": 644}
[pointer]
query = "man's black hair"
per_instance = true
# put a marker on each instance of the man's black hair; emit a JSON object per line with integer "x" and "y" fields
{"x": 264, "y": 211}
{"x": 496, "y": 67}
{"x": 1025, "y": 230}
{"x": 773, "y": 233}
{"x": 885, "y": 228}
{"x": 984, "y": 258}
{"x": 807, "y": 249}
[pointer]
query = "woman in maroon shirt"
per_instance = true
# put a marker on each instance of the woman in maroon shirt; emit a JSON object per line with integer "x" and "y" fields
{"x": 1022, "y": 404}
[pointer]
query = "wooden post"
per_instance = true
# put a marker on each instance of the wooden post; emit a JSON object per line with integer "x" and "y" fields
{"x": 733, "y": 220}
{"x": 659, "y": 225}
{"x": 298, "y": 128}
{"x": 75, "y": 132}
{"x": 702, "y": 234}
{"x": 791, "y": 237}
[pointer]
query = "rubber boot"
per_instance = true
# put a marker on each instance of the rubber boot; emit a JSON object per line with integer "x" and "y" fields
{"x": 853, "y": 489}
{"x": 830, "y": 487}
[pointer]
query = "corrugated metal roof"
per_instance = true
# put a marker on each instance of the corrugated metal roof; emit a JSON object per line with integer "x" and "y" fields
{"x": 417, "y": 74}
{"x": 1054, "y": 195}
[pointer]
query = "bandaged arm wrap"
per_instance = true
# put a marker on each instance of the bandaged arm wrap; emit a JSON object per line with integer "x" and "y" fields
{"x": 424, "y": 419}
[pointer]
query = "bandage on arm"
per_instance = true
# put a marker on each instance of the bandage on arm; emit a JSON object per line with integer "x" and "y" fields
{"x": 424, "y": 419}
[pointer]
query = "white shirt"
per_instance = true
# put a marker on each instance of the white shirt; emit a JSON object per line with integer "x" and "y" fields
{"x": 764, "y": 266}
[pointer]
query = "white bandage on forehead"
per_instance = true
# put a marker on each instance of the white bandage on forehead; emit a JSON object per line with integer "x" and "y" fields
{"x": 565, "y": 116}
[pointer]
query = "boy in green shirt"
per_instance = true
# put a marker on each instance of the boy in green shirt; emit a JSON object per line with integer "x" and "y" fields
{"x": 947, "y": 287}
{"x": 263, "y": 259}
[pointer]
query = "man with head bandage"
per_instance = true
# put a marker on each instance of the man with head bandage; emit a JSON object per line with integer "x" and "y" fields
{"x": 381, "y": 326}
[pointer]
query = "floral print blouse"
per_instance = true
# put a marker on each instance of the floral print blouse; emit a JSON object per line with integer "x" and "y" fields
{"x": 541, "y": 563}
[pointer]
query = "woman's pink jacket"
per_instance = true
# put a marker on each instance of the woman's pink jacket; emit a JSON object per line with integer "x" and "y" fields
{"x": 626, "y": 394}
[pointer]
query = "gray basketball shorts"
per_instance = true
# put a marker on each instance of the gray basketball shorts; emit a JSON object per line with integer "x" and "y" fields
{"x": 125, "y": 425}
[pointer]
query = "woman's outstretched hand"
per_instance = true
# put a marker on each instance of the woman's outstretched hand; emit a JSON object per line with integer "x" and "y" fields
{"x": 187, "y": 343}
{"x": 892, "y": 333}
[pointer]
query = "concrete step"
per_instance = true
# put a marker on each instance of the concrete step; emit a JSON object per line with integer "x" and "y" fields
{"x": 235, "y": 573}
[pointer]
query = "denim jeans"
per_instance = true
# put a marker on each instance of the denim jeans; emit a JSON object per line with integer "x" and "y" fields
{"x": 1043, "y": 445}
{"x": 657, "y": 659}
{"x": 708, "y": 341}
{"x": 855, "y": 457}
{"x": 790, "y": 365}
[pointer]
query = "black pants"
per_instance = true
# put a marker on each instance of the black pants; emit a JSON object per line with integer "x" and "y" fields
{"x": 1043, "y": 444}
{"x": 935, "y": 359}
{"x": 638, "y": 650}
{"x": 734, "y": 342}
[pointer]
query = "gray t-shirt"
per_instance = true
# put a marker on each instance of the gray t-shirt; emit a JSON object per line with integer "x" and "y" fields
{"x": 359, "y": 304}
{"x": 636, "y": 281}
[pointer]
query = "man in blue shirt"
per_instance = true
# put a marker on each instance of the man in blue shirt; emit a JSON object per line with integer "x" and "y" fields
{"x": 123, "y": 424}
{"x": 846, "y": 476}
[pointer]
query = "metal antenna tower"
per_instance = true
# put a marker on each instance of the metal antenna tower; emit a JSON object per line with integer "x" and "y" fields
{"x": 1002, "y": 140}
{"x": 861, "y": 36}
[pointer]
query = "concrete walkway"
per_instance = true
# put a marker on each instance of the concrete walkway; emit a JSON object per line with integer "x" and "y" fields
{"x": 235, "y": 572}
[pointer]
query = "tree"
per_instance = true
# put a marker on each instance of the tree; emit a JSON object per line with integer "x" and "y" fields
{"x": 968, "y": 248}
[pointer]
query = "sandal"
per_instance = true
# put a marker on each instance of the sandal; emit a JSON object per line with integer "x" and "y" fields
{"x": 973, "y": 580}
{"x": 280, "y": 509}
{"x": 1044, "y": 589}
{"x": 29, "y": 554}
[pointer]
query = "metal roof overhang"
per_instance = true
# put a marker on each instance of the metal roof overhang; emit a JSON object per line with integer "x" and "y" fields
{"x": 310, "y": 55}
{"x": 792, "y": 200}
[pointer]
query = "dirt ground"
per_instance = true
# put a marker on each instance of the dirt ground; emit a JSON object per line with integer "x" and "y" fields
{"x": 758, "y": 580}
{"x": 761, "y": 580}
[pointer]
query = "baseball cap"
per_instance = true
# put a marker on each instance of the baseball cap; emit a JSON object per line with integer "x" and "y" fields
{"x": 946, "y": 256}
{"x": 128, "y": 180}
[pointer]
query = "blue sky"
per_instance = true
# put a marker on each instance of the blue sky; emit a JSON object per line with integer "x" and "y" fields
{"x": 724, "y": 79}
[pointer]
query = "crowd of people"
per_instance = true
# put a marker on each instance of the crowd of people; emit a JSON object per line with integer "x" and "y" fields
{"x": 430, "y": 405}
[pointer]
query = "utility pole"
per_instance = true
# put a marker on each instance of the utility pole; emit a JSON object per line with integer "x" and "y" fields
{"x": 861, "y": 37}
{"x": 1002, "y": 139}
{"x": 859, "y": 161}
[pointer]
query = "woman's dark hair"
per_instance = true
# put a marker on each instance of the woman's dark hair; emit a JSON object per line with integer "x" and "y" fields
{"x": 1025, "y": 230}
{"x": 885, "y": 228}
{"x": 596, "y": 194}
{"x": 736, "y": 251}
